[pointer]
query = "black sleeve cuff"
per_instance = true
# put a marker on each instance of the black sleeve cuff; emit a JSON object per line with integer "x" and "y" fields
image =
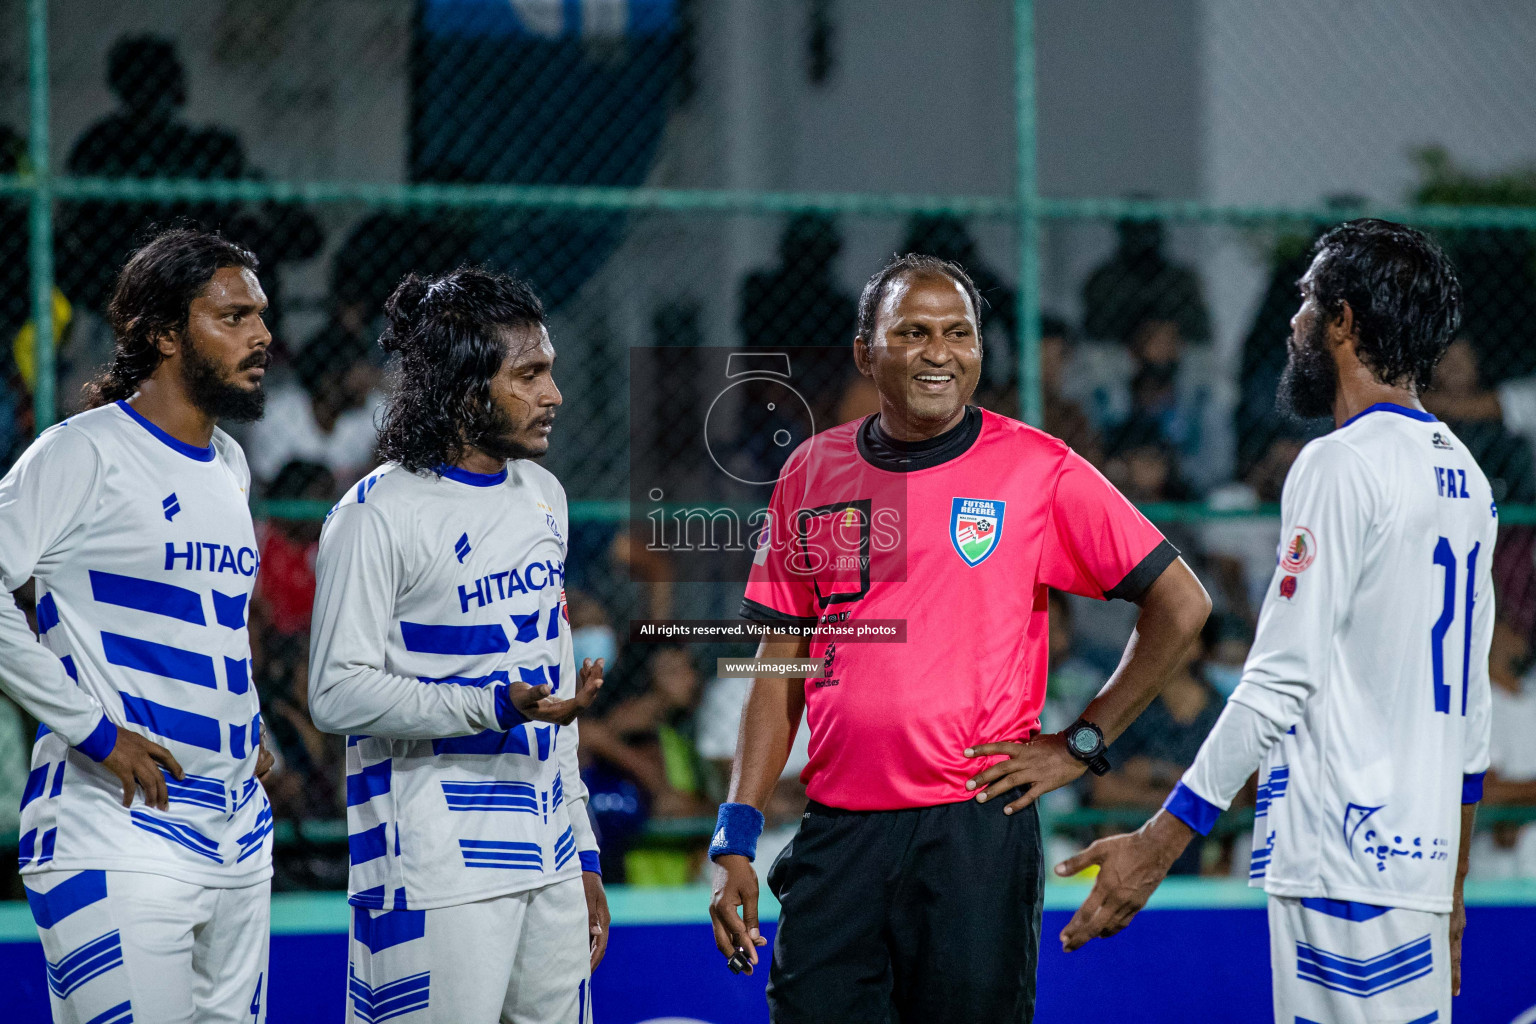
{"x": 1140, "y": 578}
{"x": 772, "y": 616}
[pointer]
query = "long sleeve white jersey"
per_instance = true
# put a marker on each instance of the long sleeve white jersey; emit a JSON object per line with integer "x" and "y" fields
{"x": 434, "y": 593}
{"x": 1364, "y": 702}
{"x": 145, "y": 558}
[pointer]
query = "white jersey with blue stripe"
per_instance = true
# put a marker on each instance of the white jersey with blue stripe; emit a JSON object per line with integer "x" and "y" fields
{"x": 434, "y": 593}
{"x": 1367, "y": 686}
{"x": 145, "y": 559}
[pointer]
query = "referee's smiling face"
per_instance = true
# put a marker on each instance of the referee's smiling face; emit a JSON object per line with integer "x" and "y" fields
{"x": 925, "y": 356}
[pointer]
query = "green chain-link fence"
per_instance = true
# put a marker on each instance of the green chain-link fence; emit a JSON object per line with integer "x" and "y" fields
{"x": 1140, "y": 291}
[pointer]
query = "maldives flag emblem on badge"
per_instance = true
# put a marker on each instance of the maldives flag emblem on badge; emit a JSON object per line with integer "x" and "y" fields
{"x": 975, "y": 527}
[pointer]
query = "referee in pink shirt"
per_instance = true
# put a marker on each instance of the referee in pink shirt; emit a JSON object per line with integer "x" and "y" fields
{"x": 912, "y": 891}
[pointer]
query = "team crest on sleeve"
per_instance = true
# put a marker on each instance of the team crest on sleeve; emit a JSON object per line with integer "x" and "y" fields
{"x": 975, "y": 527}
{"x": 549, "y": 520}
{"x": 1299, "y": 551}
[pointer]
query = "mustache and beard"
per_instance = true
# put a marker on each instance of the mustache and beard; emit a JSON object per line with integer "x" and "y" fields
{"x": 495, "y": 433}
{"x": 1310, "y": 379}
{"x": 218, "y": 394}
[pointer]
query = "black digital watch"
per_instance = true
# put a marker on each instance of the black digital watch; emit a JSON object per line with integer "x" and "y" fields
{"x": 1085, "y": 741}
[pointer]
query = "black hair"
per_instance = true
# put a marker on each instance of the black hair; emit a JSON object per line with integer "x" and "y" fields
{"x": 914, "y": 264}
{"x": 331, "y": 352}
{"x": 299, "y": 479}
{"x": 1403, "y": 292}
{"x": 153, "y": 297}
{"x": 143, "y": 69}
{"x": 449, "y": 334}
{"x": 1053, "y": 326}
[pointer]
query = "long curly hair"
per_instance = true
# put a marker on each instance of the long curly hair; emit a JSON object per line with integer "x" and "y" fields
{"x": 1402, "y": 290}
{"x": 153, "y": 297}
{"x": 449, "y": 333}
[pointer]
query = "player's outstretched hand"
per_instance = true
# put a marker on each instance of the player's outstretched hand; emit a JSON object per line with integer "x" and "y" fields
{"x": 1042, "y": 764}
{"x": 598, "y": 918}
{"x": 1130, "y": 869}
{"x": 535, "y": 703}
{"x": 137, "y": 762}
{"x": 736, "y": 888}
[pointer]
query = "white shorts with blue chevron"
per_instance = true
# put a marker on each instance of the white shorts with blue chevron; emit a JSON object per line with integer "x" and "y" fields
{"x": 125, "y": 946}
{"x": 519, "y": 959}
{"x": 1337, "y": 962}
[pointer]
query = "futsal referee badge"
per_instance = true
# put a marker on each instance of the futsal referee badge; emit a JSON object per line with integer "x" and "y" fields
{"x": 975, "y": 527}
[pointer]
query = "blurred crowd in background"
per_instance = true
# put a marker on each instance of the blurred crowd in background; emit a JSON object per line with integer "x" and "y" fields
{"x": 1131, "y": 384}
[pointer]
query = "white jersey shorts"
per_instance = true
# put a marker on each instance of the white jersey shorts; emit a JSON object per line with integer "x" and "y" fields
{"x": 519, "y": 959}
{"x": 127, "y": 946}
{"x": 1337, "y": 962}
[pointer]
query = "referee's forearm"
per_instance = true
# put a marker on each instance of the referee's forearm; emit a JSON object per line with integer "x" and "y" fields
{"x": 1173, "y": 609}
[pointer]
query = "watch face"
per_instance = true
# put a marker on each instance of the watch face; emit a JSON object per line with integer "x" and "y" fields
{"x": 1083, "y": 740}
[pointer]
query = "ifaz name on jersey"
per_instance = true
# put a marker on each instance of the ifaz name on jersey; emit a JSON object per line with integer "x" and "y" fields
{"x": 210, "y": 556}
{"x": 499, "y": 586}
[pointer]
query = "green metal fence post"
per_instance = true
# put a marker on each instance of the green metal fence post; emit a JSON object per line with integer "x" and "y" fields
{"x": 40, "y": 248}
{"x": 1031, "y": 401}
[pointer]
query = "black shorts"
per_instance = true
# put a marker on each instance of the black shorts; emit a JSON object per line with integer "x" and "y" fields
{"x": 923, "y": 916}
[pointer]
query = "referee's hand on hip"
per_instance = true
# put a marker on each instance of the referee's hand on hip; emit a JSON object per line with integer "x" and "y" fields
{"x": 735, "y": 887}
{"x": 1042, "y": 764}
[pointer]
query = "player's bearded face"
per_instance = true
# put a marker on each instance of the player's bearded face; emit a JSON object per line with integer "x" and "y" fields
{"x": 222, "y": 391}
{"x": 516, "y": 422}
{"x": 224, "y": 347}
{"x": 1310, "y": 378}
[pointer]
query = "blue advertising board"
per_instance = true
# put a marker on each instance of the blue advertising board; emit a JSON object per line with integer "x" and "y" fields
{"x": 1199, "y": 952}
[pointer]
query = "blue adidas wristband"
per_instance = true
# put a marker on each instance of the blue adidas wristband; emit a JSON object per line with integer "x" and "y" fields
{"x": 737, "y": 827}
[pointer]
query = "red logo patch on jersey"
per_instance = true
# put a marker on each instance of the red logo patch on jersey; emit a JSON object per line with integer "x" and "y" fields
{"x": 1300, "y": 552}
{"x": 1288, "y": 587}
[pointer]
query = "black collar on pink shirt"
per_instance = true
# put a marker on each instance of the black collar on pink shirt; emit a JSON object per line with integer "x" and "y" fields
{"x": 885, "y": 452}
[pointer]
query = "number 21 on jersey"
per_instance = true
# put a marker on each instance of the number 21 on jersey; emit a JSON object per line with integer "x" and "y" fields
{"x": 1446, "y": 558}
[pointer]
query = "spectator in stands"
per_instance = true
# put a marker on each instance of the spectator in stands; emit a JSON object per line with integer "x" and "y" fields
{"x": 799, "y": 303}
{"x": 1064, "y": 417}
{"x": 285, "y": 587}
{"x": 1139, "y": 283}
{"x": 303, "y": 783}
{"x": 1161, "y": 744}
{"x": 1483, "y": 419}
{"x": 1170, "y": 399}
{"x": 328, "y": 418}
{"x": 1507, "y": 849}
{"x": 1241, "y": 550}
{"x": 1143, "y": 465}
{"x": 592, "y": 632}
{"x": 145, "y": 138}
{"x": 381, "y": 249}
{"x": 946, "y": 236}
{"x": 1225, "y": 657}
{"x": 647, "y": 741}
